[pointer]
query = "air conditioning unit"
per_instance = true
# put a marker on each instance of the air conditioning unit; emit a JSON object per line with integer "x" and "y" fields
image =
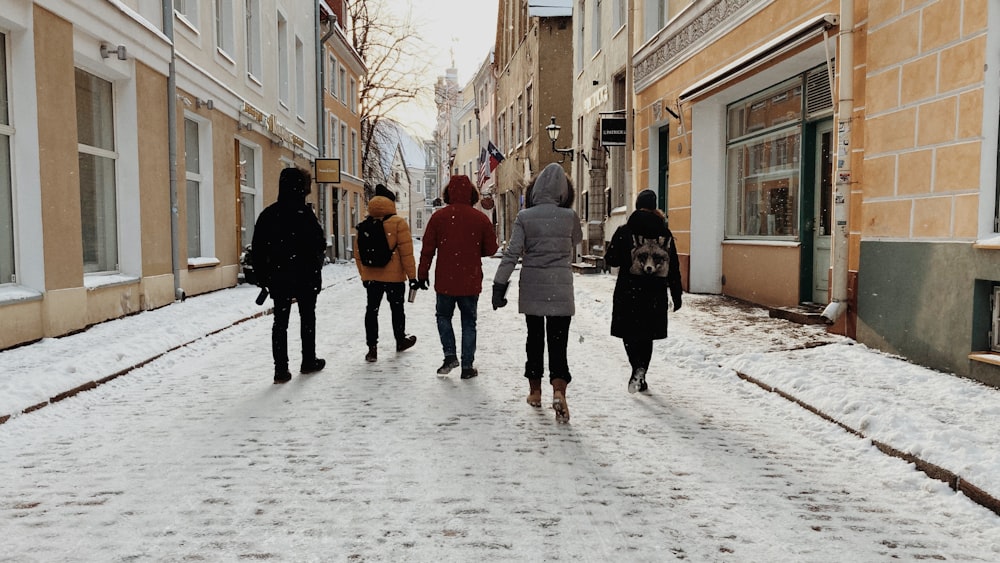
{"x": 995, "y": 317}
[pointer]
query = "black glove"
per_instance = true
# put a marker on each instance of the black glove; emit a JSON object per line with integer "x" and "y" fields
{"x": 499, "y": 293}
{"x": 424, "y": 283}
{"x": 366, "y": 283}
{"x": 677, "y": 302}
{"x": 262, "y": 296}
{"x": 414, "y": 284}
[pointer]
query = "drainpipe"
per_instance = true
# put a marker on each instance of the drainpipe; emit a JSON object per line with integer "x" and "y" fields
{"x": 629, "y": 107}
{"x": 842, "y": 171}
{"x": 175, "y": 242}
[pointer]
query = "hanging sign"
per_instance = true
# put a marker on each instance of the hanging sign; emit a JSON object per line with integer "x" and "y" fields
{"x": 327, "y": 170}
{"x": 612, "y": 131}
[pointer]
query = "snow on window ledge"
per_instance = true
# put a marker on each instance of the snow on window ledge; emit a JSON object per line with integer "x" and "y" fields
{"x": 10, "y": 294}
{"x": 96, "y": 281}
{"x": 992, "y": 243}
{"x": 203, "y": 262}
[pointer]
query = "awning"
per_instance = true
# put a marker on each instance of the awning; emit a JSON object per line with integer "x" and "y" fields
{"x": 550, "y": 8}
{"x": 767, "y": 52}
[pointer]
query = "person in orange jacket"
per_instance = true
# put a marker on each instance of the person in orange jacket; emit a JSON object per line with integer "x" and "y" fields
{"x": 389, "y": 280}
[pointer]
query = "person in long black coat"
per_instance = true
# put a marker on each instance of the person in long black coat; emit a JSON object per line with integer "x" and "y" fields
{"x": 287, "y": 253}
{"x": 640, "y": 305}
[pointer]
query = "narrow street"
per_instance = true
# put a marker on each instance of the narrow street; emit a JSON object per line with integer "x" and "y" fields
{"x": 197, "y": 456}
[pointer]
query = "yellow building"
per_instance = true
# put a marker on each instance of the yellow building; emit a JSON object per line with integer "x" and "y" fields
{"x": 839, "y": 155}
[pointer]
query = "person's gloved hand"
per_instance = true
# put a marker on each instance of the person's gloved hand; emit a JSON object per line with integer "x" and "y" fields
{"x": 414, "y": 284}
{"x": 499, "y": 295}
{"x": 366, "y": 283}
{"x": 677, "y": 302}
{"x": 424, "y": 283}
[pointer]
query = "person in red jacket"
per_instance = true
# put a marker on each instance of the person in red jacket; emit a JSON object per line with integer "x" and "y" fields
{"x": 461, "y": 236}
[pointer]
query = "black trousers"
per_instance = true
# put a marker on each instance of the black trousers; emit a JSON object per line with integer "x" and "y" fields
{"x": 555, "y": 331}
{"x": 640, "y": 352}
{"x": 393, "y": 292}
{"x": 307, "y": 327}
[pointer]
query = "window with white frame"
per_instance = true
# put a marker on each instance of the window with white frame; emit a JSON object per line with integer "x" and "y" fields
{"x": 200, "y": 206}
{"x": 580, "y": 29}
{"x": 520, "y": 118}
{"x": 343, "y": 143}
{"x": 300, "y": 78}
{"x": 224, "y": 23}
{"x": 654, "y": 17}
{"x": 283, "y": 86}
{"x": 98, "y": 160}
{"x": 8, "y": 270}
{"x": 354, "y": 152}
{"x": 528, "y": 123}
{"x": 343, "y": 85}
{"x": 189, "y": 10}
{"x": 513, "y": 127}
{"x": 250, "y": 192}
{"x": 501, "y": 130}
{"x": 354, "y": 96}
{"x": 620, "y": 16}
{"x": 763, "y": 146}
{"x": 333, "y": 77}
{"x": 334, "y": 127}
{"x": 595, "y": 28}
{"x": 254, "y": 60}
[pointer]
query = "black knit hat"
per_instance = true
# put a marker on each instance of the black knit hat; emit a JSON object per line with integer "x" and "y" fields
{"x": 383, "y": 191}
{"x": 646, "y": 200}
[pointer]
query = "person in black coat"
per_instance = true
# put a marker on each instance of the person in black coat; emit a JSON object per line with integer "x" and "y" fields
{"x": 287, "y": 252}
{"x": 648, "y": 269}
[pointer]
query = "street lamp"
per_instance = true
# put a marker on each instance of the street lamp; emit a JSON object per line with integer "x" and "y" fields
{"x": 553, "y": 130}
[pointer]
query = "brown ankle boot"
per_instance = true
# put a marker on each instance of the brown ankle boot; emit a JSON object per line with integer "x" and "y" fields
{"x": 559, "y": 400}
{"x": 372, "y": 355}
{"x": 535, "y": 394}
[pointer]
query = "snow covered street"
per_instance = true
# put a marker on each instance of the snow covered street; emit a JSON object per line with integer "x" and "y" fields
{"x": 196, "y": 455}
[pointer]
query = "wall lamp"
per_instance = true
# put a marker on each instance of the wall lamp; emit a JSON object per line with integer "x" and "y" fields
{"x": 553, "y": 130}
{"x": 198, "y": 102}
{"x": 120, "y": 51}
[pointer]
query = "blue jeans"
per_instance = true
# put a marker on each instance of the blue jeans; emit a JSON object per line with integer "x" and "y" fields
{"x": 445, "y": 310}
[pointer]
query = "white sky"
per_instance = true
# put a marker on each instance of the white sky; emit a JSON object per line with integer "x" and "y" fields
{"x": 462, "y": 31}
{"x": 196, "y": 455}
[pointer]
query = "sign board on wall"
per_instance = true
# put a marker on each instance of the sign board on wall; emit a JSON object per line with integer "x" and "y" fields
{"x": 328, "y": 170}
{"x": 612, "y": 131}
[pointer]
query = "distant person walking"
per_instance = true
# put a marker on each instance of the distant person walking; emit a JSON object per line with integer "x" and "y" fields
{"x": 461, "y": 236}
{"x": 287, "y": 254}
{"x": 544, "y": 238}
{"x": 648, "y": 269}
{"x": 388, "y": 280}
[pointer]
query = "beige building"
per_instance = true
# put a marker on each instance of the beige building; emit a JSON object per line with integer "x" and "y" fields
{"x": 839, "y": 156}
{"x": 342, "y": 205}
{"x": 95, "y": 222}
{"x": 534, "y": 81}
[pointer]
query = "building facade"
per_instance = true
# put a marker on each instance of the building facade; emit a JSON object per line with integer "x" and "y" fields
{"x": 833, "y": 154}
{"x": 534, "y": 65}
{"x": 136, "y": 149}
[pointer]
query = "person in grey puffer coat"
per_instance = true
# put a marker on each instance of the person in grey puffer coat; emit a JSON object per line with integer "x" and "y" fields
{"x": 544, "y": 237}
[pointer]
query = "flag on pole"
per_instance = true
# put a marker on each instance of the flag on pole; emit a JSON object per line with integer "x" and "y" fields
{"x": 496, "y": 157}
{"x": 484, "y": 169}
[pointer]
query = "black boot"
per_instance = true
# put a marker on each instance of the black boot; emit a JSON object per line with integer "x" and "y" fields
{"x": 450, "y": 363}
{"x": 312, "y": 366}
{"x": 405, "y": 343}
{"x": 372, "y": 354}
{"x": 281, "y": 375}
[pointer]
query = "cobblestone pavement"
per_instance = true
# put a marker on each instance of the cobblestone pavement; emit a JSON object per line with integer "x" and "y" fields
{"x": 197, "y": 457}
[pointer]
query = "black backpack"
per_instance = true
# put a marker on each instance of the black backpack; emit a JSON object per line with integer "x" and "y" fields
{"x": 373, "y": 248}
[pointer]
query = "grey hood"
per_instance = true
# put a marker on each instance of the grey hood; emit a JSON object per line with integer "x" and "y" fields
{"x": 549, "y": 187}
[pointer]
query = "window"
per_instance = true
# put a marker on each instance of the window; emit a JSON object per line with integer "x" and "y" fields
{"x": 254, "y": 63}
{"x": 283, "y": 60}
{"x": 595, "y": 28}
{"x": 98, "y": 160}
{"x": 620, "y": 16}
{"x": 224, "y": 34}
{"x": 528, "y": 124}
{"x": 654, "y": 17}
{"x": 333, "y": 77}
{"x": 300, "y": 78}
{"x": 7, "y": 269}
{"x": 334, "y": 127}
{"x": 249, "y": 192}
{"x": 513, "y": 127}
{"x": 580, "y": 29}
{"x": 343, "y": 85}
{"x": 343, "y": 143}
{"x": 354, "y": 152}
{"x": 354, "y": 96}
{"x": 764, "y": 141}
{"x": 501, "y": 128}
{"x": 520, "y": 119}
{"x": 189, "y": 10}
{"x": 199, "y": 188}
